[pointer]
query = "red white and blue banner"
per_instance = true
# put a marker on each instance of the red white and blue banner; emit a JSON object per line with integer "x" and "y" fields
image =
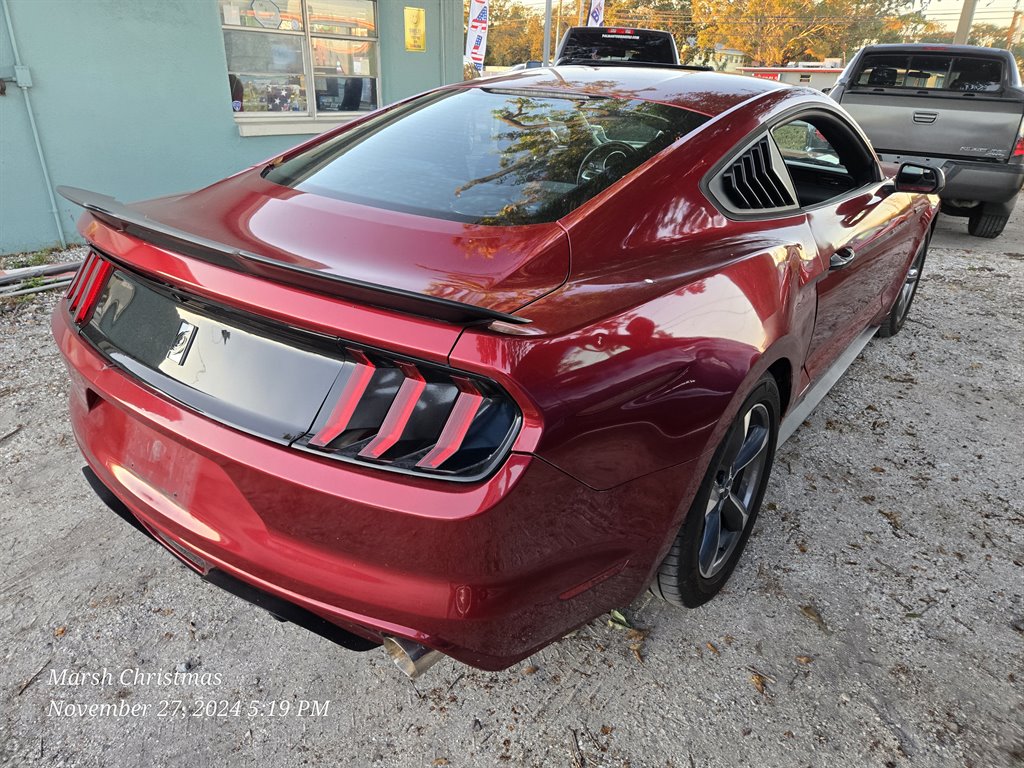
{"x": 476, "y": 33}
{"x": 596, "y": 16}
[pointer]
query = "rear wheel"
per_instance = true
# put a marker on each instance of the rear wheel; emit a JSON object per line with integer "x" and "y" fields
{"x": 989, "y": 225}
{"x": 722, "y": 514}
{"x": 901, "y": 306}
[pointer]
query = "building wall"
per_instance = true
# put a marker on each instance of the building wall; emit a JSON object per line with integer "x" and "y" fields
{"x": 132, "y": 100}
{"x": 818, "y": 80}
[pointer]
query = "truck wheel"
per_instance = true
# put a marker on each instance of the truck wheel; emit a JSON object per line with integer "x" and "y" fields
{"x": 982, "y": 224}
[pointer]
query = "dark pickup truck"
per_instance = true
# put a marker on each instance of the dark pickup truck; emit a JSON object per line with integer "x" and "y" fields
{"x": 617, "y": 44}
{"x": 955, "y": 107}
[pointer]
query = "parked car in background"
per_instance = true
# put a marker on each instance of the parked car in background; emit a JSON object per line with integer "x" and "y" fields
{"x": 955, "y": 107}
{"x": 365, "y": 386}
{"x": 619, "y": 44}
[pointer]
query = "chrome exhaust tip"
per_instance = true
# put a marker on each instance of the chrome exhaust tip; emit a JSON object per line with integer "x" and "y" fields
{"x": 412, "y": 658}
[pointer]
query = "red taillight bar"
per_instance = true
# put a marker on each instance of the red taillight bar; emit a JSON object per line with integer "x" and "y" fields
{"x": 80, "y": 281}
{"x": 86, "y": 286}
{"x": 92, "y": 290}
{"x": 76, "y": 281}
{"x": 398, "y": 414}
{"x": 1018, "y": 148}
{"x": 464, "y": 411}
{"x": 349, "y": 398}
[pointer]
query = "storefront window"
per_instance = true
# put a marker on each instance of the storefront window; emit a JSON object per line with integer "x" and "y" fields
{"x": 275, "y": 48}
{"x": 342, "y": 17}
{"x": 345, "y": 74}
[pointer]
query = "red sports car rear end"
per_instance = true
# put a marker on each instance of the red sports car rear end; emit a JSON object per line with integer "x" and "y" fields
{"x": 397, "y": 385}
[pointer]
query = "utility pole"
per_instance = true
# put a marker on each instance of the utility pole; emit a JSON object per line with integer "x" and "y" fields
{"x": 547, "y": 32}
{"x": 1014, "y": 31}
{"x": 558, "y": 25}
{"x": 963, "y": 29}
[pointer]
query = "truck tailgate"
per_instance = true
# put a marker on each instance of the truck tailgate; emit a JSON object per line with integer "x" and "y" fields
{"x": 964, "y": 126}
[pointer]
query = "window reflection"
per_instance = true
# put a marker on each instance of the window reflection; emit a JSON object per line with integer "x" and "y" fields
{"x": 489, "y": 156}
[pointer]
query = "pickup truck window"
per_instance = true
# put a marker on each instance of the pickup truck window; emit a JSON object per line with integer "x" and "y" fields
{"x": 618, "y": 44}
{"x": 930, "y": 72}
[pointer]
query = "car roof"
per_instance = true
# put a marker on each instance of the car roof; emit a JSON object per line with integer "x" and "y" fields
{"x": 709, "y": 93}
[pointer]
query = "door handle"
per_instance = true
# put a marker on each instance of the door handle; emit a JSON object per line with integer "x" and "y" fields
{"x": 842, "y": 258}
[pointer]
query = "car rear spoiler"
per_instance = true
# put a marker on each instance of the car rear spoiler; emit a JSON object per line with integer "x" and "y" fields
{"x": 131, "y": 222}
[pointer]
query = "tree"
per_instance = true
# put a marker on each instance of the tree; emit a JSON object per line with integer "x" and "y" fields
{"x": 514, "y": 31}
{"x": 775, "y": 32}
{"x": 771, "y": 32}
{"x": 988, "y": 35}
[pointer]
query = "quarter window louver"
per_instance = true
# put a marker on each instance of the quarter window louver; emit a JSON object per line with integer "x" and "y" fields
{"x": 751, "y": 183}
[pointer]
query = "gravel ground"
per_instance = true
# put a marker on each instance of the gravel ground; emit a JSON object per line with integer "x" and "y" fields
{"x": 877, "y": 617}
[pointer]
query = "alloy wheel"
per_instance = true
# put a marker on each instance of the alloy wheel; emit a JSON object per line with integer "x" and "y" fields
{"x": 734, "y": 490}
{"x": 909, "y": 286}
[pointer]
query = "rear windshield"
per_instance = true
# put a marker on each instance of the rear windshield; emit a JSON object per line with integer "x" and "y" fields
{"x": 930, "y": 72}
{"x": 619, "y": 45}
{"x": 488, "y": 156}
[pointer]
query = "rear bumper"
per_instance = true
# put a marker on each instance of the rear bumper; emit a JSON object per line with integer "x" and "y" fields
{"x": 281, "y": 609}
{"x": 486, "y": 573}
{"x": 967, "y": 180}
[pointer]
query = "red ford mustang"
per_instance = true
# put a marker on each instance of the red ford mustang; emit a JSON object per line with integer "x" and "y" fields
{"x": 468, "y": 372}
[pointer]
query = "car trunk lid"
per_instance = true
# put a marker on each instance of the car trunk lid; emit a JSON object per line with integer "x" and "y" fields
{"x": 396, "y": 260}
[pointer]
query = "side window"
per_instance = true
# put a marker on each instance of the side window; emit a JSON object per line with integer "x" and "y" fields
{"x": 973, "y": 74}
{"x": 801, "y": 142}
{"x": 825, "y": 159}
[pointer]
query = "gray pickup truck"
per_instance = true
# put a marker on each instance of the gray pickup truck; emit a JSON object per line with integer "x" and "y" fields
{"x": 956, "y": 107}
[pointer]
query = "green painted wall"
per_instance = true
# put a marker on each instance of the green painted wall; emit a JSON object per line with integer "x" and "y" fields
{"x": 131, "y": 99}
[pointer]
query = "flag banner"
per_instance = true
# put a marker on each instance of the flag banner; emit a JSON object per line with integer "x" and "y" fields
{"x": 476, "y": 33}
{"x": 596, "y": 16}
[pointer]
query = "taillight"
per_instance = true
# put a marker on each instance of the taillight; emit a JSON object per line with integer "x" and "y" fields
{"x": 413, "y": 417}
{"x": 86, "y": 287}
{"x": 1018, "y": 149}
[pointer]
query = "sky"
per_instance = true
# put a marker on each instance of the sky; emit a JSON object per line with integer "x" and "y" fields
{"x": 946, "y": 12}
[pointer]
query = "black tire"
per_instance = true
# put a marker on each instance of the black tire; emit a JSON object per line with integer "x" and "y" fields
{"x": 987, "y": 225}
{"x": 900, "y": 309}
{"x": 693, "y": 572}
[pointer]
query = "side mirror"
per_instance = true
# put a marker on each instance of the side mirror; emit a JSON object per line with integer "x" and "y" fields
{"x": 922, "y": 179}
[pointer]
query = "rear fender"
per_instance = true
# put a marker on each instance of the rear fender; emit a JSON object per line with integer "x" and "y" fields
{"x": 654, "y": 386}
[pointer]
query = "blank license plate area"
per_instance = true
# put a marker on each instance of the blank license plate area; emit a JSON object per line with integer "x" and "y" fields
{"x": 264, "y": 382}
